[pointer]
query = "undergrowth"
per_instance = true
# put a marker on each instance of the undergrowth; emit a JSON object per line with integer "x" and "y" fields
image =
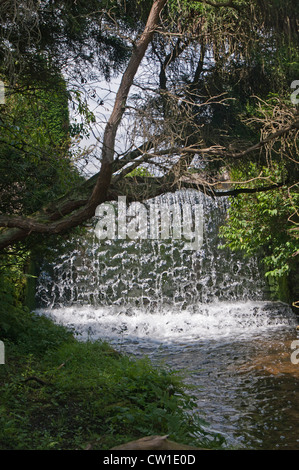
{"x": 61, "y": 394}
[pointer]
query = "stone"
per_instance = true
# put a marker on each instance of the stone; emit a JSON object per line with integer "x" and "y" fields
{"x": 154, "y": 443}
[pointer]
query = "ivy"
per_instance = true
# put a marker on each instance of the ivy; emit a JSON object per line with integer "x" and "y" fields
{"x": 35, "y": 158}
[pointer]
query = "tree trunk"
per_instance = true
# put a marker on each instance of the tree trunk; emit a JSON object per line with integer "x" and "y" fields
{"x": 74, "y": 212}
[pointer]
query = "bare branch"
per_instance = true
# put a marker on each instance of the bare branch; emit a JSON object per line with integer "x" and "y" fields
{"x": 127, "y": 81}
{"x": 69, "y": 218}
{"x": 231, "y": 192}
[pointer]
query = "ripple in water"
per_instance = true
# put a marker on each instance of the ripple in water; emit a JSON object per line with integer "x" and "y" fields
{"x": 204, "y": 312}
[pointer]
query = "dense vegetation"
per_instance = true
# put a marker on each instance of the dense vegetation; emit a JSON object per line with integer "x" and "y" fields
{"x": 202, "y": 106}
{"x": 58, "y": 393}
{"x": 211, "y": 107}
{"x": 265, "y": 225}
{"x": 36, "y": 162}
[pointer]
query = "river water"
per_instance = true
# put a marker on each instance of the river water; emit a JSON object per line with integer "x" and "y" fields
{"x": 205, "y": 312}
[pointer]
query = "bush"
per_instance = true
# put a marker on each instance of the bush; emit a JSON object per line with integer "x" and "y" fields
{"x": 58, "y": 393}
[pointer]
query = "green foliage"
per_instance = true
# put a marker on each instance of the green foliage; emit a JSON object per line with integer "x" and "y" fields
{"x": 140, "y": 171}
{"x": 58, "y": 393}
{"x": 81, "y": 33}
{"x": 12, "y": 285}
{"x": 35, "y": 162}
{"x": 265, "y": 223}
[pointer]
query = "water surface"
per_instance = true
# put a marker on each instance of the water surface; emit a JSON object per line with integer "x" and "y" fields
{"x": 205, "y": 312}
{"x": 236, "y": 355}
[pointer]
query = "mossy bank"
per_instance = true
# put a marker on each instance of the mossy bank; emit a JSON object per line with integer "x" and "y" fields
{"x": 61, "y": 394}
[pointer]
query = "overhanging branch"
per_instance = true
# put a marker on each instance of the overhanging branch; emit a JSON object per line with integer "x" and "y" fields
{"x": 230, "y": 192}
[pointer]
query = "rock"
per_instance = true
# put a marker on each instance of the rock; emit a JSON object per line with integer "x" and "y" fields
{"x": 154, "y": 443}
{"x": 275, "y": 360}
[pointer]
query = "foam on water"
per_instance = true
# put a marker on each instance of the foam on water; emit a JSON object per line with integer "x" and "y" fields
{"x": 206, "y": 312}
{"x": 153, "y": 291}
{"x": 220, "y": 322}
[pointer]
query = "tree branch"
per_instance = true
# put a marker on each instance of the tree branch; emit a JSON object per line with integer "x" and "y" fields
{"x": 231, "y": 192}
{"x": 127, "y": 81}
{"x": 263, "y": 142}
{"x": 146, "y": 188}
{"x": 72, "y": 213}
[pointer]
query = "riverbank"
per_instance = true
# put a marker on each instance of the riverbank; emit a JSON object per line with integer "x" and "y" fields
{"x": 61, "y": 394}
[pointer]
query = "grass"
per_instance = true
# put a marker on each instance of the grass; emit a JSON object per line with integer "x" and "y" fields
{"x": 61, "y": 394}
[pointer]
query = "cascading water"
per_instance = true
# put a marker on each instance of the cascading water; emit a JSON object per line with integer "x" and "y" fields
{"x": 202, "y": 309}
{"x": 152, "y": 273}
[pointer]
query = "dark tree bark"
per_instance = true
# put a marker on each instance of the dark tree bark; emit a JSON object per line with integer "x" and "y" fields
{"x": 71, "y": 213}
{"x": 80, "y": 204}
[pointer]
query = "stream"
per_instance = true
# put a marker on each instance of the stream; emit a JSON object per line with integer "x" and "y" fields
{"x": 204, "y": 312}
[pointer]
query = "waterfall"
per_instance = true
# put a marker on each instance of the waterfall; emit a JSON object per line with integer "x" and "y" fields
{"x": 151, "y": 273}
{"x": 205, "y": 311}
{"x": 153, "y": 289}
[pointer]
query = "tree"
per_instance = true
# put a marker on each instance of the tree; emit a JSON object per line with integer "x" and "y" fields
{"x": 197, "y": 119}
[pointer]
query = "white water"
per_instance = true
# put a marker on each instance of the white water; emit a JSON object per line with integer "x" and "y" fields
{"x": 151, "y": 274}
{"x": 227, "y": 350}
{"x": 206, "y": 312}
{"x": 137, "y": 328}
